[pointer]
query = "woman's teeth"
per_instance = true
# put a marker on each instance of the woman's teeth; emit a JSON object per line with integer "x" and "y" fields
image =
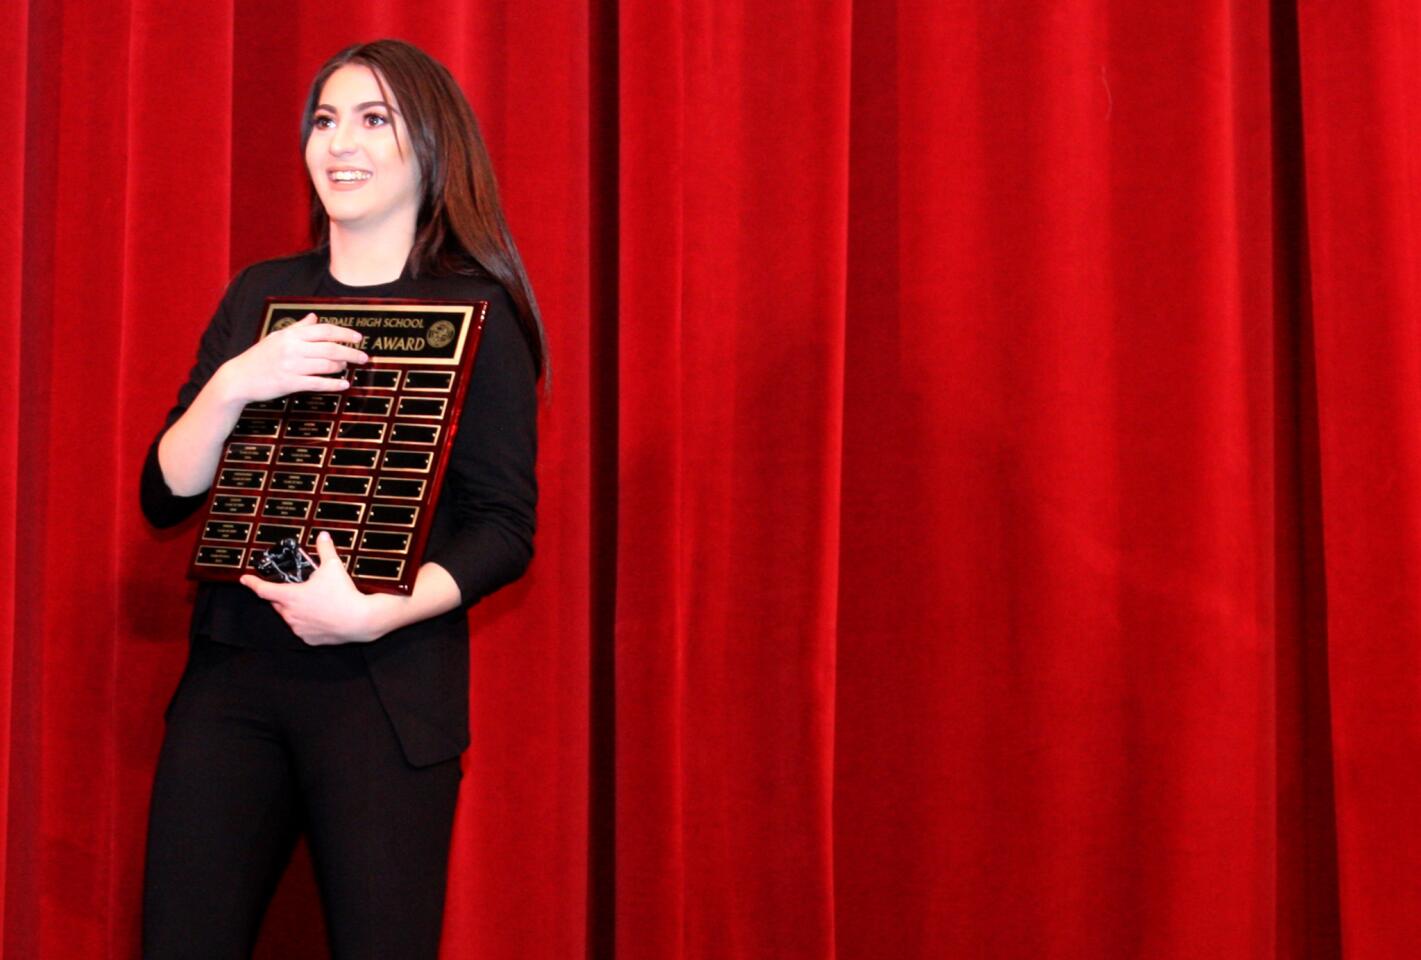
{"x": 347, "y": 176}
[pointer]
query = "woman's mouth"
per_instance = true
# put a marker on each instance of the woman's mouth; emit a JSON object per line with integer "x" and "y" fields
{"x": 348, "y": 176}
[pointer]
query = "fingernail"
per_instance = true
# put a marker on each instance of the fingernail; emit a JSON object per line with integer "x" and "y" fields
{"x": 325, "y": 536}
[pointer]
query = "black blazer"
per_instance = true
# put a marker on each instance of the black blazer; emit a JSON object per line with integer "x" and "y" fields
{"x": 482, "y": 529}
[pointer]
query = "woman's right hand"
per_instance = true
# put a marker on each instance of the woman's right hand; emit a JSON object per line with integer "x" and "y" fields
{"x": 292, "y": 360}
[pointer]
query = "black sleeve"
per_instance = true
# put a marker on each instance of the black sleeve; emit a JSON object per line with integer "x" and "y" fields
{"x": 160, "y": 505}
{"x": 490, "y": 481}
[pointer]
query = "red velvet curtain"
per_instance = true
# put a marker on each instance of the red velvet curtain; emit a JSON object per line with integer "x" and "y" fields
{"x": 980, "y": 491}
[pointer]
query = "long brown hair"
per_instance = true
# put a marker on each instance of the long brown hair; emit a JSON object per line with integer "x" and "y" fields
{"x": 460, "y": 229}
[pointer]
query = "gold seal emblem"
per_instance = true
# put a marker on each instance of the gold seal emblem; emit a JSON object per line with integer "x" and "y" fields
{"x": 281, "y": 323}
{"x": 441, "y": 334}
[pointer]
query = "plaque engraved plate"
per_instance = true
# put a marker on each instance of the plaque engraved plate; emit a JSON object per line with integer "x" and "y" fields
{"x": 249, "y": 453}
{"x": 234, "y": 506}
{"x": 308, "y": 430}
{"x": 256, "y": 427}
{"x": 293, "y": 481}
{"x": 315, "y": 402}
{"x": 286, "y": 508}
{"x": 364, "y": 464}
{"x": 241, "y": 479}
{"x": 229, "y": 530}
{"x": 304, "y": 456}
{"x": 214, "y": 556}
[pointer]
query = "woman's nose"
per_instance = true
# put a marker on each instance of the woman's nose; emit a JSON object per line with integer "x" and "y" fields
{"x": 342, "y": 139}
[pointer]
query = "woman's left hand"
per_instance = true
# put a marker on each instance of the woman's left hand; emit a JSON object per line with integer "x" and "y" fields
{"x": 328, "y": 608}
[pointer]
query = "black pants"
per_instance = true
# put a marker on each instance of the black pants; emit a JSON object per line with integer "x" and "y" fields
{"x": 262, "y": 745}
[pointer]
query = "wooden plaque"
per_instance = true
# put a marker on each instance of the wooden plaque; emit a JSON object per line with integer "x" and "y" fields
{"x": 364, "y": 464}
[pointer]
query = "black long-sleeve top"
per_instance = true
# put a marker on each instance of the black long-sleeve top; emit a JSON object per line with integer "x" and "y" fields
{"x": 482, "y": 529}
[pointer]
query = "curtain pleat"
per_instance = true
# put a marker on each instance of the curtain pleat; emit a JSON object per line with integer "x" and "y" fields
{"x": 978, "y": 489}
{"x": 1362, "y": 129}
{"x": 733, "y": 261}
{"x": 14, "y": 63}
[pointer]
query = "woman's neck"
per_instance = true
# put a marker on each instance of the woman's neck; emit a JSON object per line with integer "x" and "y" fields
{"x": 363, "y": 258}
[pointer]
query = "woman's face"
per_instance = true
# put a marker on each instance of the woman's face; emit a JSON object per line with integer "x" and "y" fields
{"x": 352, "y": 156}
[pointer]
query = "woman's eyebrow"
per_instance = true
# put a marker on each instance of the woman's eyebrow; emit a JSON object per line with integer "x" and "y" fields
{"x": 358, "y": 106}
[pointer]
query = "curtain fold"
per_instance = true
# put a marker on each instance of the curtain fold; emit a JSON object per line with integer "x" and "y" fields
{"x": 1056, "y": 692}
{"x": 978, "y": 490}
{"x": 734, "y": 160}
{"x": 1362, "y": 130}
{"x": 14, "y": 62}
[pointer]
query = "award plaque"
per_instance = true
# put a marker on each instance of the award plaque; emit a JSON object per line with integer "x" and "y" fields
{"x": 364, "y": 464}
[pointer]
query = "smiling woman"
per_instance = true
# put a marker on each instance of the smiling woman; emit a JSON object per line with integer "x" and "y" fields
{"x": 358, "y": 166}
{"x": 313, "y": 707}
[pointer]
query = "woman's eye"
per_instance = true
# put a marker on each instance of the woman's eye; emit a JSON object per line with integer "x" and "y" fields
{"x": 323, "y": 123}
{"x": 376, "y": 120}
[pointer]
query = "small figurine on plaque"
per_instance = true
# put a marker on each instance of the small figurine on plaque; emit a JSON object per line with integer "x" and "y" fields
{"x": 285, "y": 563}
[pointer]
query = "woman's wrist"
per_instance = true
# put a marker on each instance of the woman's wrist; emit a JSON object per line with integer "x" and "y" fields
{"x": 435, "y": 593}
{"x": 227, "y": 389}
{"x": 382, "y": 615}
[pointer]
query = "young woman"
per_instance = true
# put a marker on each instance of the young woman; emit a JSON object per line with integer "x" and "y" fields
{"x": 313, "y": 707}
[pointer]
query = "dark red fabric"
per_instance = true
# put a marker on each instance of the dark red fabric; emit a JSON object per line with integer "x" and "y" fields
{"x": 1362, "y": 132}
{"x": 978, "y": 487}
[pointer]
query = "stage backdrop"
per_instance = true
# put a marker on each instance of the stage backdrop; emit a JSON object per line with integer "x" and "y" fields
{"x": 981, "y": 488}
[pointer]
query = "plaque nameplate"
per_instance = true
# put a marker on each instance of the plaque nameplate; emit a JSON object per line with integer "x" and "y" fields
{"x": 399, "y": 488}
{"x": 365, "y": 463}
{"x": 426, "y": 434}
{"x": 414, "y": 461}
{"x": 418, "y": 380}
{"x": 367, "y": 430}
{"x": 364, "y": 459}
{"x": 214, "y": 556}
{"x": 343, "y": 538}
{"x": 241, "y": 479}
{"x": 378, "y": 568}
{"x": 249, "y": 453}
{"x": 343, "y": 483}
{"x": 315, "y": 403}
{"x": 376, "y": 379}
{"x": 308, "y": 430}
{"x": 256, "y": 427}
{"x": 393, "y": 516}
{"x": 292, "y": 481}
{"x": 276, "y": 532}
{"x": 234, "y": 506}
{"x": 306, "y": 456}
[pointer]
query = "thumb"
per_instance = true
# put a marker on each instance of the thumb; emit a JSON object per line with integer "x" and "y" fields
{"x": 326, "y": 550}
